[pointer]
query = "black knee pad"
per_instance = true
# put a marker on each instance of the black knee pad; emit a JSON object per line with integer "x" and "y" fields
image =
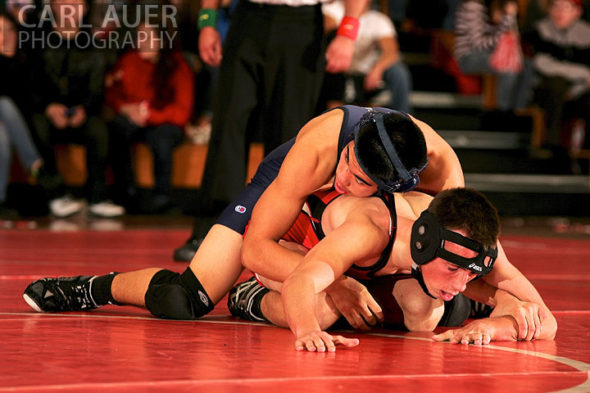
{"x": 456, "y": 312}
{"x": 177, "y": 296}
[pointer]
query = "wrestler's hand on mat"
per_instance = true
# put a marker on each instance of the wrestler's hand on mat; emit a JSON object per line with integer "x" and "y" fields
{"x": 527, "y": 315}
{"x": 210, "y": 46}
{"x": 355, "y": 303}
{"x": 481, "y": 332}
{"x": 339, "y": 54}
{"x": 319, "y": 341}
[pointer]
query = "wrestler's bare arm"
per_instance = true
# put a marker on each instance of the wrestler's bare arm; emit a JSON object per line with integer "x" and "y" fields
{"x": 308, "y": 166}
{"x": 444, "y": 169}
{"x": 507, "y": 277}
{"x": 323, "y": 265}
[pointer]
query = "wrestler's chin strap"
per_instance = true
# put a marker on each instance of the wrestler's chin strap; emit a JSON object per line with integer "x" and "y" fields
{"x": 417, "y": 274}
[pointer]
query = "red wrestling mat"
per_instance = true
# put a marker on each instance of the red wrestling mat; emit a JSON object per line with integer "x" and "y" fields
{"x": 123, "y": 349}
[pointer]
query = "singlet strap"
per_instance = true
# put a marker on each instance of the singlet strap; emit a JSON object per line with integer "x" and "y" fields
{"x": 317, "y": 203}
{"x": 389, "y": 201}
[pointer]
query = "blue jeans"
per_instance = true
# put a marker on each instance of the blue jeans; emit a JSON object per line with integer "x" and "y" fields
{"x": 513, "y": 90}
{"x": 14, "y": 132}
{"x": 398, "y": 80}
{"x": 162, "y": 139}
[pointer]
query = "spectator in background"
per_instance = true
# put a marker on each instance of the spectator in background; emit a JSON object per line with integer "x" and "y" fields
{"x": 23, "y": 12}
{"x": 205, "y": 76}
{"x": 151, "y": 92}
{"x": 561, "y": 47}
{"x": 479, "y": 28}
{"x": 539, "y": 9}
{"x": 376, "y": 64}
{"x": 71, "y": 93}
{"x": 14, "y": 90}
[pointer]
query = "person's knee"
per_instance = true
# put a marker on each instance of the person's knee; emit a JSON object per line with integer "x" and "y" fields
{"x": 172, "y": 295}
{"x": 4, "y": 102}
{"x": 8, "y": 108}
{"x": 397, "y": 75}
{"x": 164, "y": 137}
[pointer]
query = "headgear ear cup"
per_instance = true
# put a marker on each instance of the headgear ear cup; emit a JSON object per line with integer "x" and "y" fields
{"x": 425, "y": 239}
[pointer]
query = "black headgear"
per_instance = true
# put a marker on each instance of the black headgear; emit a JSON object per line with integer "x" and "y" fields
{"x": 428, "y": 242}
{"x": 408, "y": 179}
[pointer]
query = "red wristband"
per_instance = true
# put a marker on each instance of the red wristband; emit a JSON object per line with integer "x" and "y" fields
{"x": 349, "y": 27}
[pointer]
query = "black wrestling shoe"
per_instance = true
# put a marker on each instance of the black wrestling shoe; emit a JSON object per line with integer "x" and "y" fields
{"x": 480, "y": 310}
{"x": 60, "y": 294}
{"x": 244, "y": 300}
{"x": 187, "y": 251}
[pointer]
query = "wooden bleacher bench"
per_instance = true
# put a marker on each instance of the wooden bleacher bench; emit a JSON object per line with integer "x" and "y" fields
{"x": 189, "y": 163}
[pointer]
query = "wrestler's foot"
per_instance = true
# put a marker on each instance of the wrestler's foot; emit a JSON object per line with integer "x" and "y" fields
{"x": 244, "y": 300}
{"x": 60, "y": 294}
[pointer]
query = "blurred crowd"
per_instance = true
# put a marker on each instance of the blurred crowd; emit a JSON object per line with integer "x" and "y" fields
{"x": 107, "y": 74}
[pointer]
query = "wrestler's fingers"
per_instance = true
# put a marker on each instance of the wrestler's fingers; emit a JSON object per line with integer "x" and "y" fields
{"x": 369, "y": 320}
{"x": 523, "y": 325}
{"x": 347, "y": 342}
{"x": 532, "y": 326}
{"x": 319, "y": 344}
{"x": 477, "y": 338}
{"x": 377, "y": 312}
{"x": 466, "y": 339}
{"x": 445, "y": 336}
{"x": 537, "y": 325}
{"x": 309, "y": 345}
{"x": 355, "y": 320}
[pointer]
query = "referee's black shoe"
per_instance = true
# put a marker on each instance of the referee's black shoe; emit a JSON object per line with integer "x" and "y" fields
{"x": 187, "y": 251}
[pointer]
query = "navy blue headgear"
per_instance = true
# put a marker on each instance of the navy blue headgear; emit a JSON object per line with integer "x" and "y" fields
{"x": 408, "y": 179}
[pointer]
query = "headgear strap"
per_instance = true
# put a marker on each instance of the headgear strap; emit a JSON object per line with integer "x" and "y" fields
{"x": 417, "y": 274}
{"x": 407, "y": 180}
{"x": 428, "y": 242}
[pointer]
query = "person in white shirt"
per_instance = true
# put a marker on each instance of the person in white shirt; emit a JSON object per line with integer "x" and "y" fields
{"x": 376, "y": 63}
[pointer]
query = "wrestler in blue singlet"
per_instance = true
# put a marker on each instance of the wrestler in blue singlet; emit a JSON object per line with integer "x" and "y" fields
{"x": 237, "y": 214}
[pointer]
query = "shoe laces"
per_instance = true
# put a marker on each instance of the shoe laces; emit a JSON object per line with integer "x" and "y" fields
{"x": 74, "y": 295}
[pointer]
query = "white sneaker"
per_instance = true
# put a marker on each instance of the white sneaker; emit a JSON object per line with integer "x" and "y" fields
{"x": 106, "y": 209}
{"x": 65, "y": 206}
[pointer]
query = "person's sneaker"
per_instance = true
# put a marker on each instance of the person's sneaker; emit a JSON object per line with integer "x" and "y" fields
{"x": 480, "y": 310}
{"x": 47, "y": 181}
{"x": 106, "y": 209}
{"x": 187, "y": 251}
{"x": 244, "y": 300}
{"x": 60, "y": 294}
{"x": 65, "y": 206}
{"x": 8, "y": 213}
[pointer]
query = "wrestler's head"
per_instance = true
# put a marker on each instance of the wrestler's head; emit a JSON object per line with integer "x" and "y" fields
{"x": 454, "y": 241}
{"x": 387, "y": 153}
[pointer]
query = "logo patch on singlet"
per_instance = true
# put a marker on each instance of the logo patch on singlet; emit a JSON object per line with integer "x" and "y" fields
{"x": 240, "y": 209}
